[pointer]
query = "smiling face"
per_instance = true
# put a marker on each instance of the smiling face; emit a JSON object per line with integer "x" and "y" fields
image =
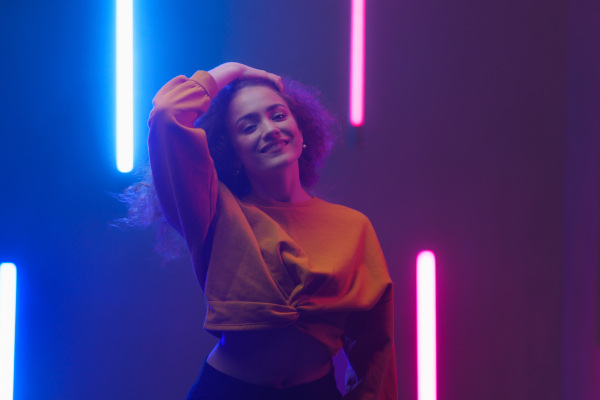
{"x": 263, "y": 131}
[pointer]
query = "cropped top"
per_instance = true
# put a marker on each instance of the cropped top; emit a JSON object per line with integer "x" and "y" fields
{"x": 315, "y": 265}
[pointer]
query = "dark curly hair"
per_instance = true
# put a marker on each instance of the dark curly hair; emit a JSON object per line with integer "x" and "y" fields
{"x": 319, "y": 131}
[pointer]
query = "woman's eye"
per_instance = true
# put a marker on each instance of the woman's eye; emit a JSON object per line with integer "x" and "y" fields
{"x": 248, "y": 128}
{"x": 279, "y": 116}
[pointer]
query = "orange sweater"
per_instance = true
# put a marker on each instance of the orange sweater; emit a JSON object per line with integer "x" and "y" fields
{"x": 263, "y": 265}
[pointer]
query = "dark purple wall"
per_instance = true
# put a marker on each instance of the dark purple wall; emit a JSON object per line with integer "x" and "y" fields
{"x": 463, "y": 153}
{"x": 581, "y": 323}
{"x": 480, "y": 143}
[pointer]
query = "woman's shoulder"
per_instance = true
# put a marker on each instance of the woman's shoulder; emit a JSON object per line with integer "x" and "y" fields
{"x": 343, "y": 212}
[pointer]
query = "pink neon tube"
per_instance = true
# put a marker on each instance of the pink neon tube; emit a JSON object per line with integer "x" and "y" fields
{"x": 426, "y": 335}
{"x": 357, "y": 63}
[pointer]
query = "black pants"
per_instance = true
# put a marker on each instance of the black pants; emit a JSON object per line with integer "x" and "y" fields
{"x": 215, "y": 385}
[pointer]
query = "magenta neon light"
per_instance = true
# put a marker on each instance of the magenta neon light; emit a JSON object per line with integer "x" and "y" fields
{"x": 426, "y": 327}
{"x": 357, "y": 63}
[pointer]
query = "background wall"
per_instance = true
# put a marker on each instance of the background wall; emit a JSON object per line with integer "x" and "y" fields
{"x": 480, "y": 143}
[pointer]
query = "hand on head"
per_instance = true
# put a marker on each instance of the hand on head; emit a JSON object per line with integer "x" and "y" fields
{"x": 228, "y": 72}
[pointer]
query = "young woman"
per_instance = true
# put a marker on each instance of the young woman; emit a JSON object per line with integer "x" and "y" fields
{"x": 289, "y": 279}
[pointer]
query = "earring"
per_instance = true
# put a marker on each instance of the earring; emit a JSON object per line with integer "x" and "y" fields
{"x": 303, "y": 146}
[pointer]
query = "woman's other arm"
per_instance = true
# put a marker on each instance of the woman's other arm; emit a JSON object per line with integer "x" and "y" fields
{"x": 369, "y": 336}
{"x": 369, "y": 347}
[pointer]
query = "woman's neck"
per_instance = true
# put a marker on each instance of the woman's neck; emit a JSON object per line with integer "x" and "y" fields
{"x": 281, "y": 187}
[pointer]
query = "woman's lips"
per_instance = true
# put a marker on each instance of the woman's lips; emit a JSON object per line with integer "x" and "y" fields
{"x": 274, "y": 146}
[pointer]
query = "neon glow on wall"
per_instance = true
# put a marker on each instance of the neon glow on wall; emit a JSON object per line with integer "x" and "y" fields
{"x": 124, "y": 84}
{"x": 426, "y": 327}
{"x": 8, "y": 302}
{"x": 357, "y": 63}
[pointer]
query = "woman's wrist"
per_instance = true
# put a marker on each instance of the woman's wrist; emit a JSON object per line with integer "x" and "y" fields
{"x": 226, "y": 73}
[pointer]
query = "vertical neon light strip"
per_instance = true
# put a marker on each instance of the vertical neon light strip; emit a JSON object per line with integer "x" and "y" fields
{"x": 426, "y": 335}
{"x": 357, "y": 63}
{"x": 124, "y": 84}
{"x": 8, "y": 302}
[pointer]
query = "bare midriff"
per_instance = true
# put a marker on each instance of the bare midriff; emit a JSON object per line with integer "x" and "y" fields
{"x": 276, "y": 357}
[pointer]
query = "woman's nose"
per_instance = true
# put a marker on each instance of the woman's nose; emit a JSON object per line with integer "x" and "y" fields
{"x": 272, "y": 130}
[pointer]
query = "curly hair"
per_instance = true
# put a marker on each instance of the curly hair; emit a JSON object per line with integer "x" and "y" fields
{"x": 319, "y": 131}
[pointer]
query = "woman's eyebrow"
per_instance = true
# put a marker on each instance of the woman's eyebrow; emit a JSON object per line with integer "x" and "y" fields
{"x": 251, "y": 115}
{"x": 255, "y": 114}
{"x": 271, "y": 107}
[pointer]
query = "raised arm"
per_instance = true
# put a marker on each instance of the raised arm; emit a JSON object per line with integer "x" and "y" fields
{"x": 182, "y": 169}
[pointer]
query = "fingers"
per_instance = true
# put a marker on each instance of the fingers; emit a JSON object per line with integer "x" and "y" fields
{"x": 277, "y": 80}
{"x": 250, "y": 72}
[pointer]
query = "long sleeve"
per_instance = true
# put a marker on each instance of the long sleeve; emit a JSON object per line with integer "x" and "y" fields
{"x": 369, "y": 347}
{"x": 183, "y": 171}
